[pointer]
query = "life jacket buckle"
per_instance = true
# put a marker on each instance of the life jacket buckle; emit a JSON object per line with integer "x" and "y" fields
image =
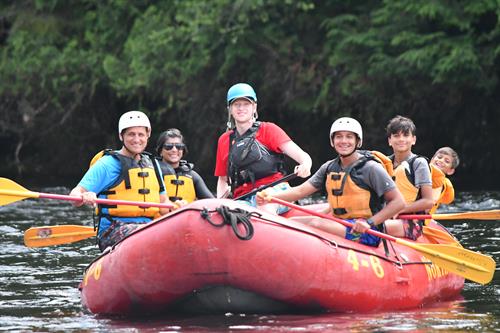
{"x": 339, "y": 211}
{"x": 177, "y": 182}
{"x": 336, "y": 176}
{"x": 143, "y": 174}
{"x": 337, "y": 192}
{"x": 144, "y": 191}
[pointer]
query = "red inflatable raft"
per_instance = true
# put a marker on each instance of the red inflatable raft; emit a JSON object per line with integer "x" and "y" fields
{"x": 223, "y": 256}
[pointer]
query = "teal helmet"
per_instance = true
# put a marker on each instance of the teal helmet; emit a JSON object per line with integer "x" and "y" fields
{"x": 240, "y": 90}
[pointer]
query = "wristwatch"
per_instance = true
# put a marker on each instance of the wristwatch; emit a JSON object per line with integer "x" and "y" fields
{"x": 370, "y": 222}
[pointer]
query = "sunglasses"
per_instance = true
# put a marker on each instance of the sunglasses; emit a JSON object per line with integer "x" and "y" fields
{"x": 170, "y": 146}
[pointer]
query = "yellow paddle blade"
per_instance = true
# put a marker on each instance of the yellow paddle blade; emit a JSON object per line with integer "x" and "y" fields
{"x": 11, "y": 191}
{"x": 471, "y": 265}
{"x": 56, "y": 235}
{"x": 440, "y": 236}
{"x": 478, "y": 215}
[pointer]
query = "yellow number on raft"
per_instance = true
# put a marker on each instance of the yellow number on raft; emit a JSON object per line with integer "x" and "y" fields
{"x": 94, "y": 270}
{"x": 353, "y": 260}
{"x": 377, "y": 268}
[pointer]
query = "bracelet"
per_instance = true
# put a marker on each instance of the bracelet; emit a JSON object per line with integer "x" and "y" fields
{"x": 370, "y": 222}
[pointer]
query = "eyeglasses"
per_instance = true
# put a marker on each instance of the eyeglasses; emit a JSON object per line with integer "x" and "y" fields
{"x": 178, "y": 146}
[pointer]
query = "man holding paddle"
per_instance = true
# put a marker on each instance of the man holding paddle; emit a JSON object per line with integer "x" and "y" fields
{"x": 358, "y": 187}
{"x": 127, "y": 174}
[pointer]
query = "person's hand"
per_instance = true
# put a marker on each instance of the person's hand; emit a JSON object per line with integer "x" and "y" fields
{"x": 262, "y": 198}
{"x": 89, "y": 198}
{"x": 180, "y": 203}
{"x": 360, "y": 226}
{"x": 303, "y": 170}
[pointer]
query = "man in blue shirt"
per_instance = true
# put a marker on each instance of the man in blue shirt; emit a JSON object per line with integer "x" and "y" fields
{"x": 126, "y": 174}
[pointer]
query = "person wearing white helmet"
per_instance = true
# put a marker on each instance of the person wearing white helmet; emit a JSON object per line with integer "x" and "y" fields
{"x": 250, "y": 154}
{"x": 126, "y": 174}
{"x": 358, "y": 187}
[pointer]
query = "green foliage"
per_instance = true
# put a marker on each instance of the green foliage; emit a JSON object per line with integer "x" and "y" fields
{"x": 82, "y": 63}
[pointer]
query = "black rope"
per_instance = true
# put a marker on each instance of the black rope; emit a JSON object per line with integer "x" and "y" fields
{"x": 233, "y": 217}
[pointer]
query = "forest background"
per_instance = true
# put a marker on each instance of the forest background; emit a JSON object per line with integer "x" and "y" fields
{"x": 69, "y": 69}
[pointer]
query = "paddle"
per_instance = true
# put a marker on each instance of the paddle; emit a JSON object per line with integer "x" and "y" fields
{"x": 471, "y": 265}
{"x": 263, "y": 187}
{"x": 440, "y": 236}
{"x": 56, "y": 235}
{"x": 478, "y": 215}
{"x": 11, "y": 192}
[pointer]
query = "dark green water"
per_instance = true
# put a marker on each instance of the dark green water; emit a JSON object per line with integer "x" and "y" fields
{"x": 38, "y": 287}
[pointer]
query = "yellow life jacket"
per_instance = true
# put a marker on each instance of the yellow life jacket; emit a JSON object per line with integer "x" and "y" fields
{"x": 138, "y": 181}
{"x": 179, "y": 183}
{"x": 442, "y": 189}
{"x": 348, "y": 195}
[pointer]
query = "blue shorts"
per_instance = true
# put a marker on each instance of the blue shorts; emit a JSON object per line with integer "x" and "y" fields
{"x": 251, "y": 200}
{"x": 364, "y": 238}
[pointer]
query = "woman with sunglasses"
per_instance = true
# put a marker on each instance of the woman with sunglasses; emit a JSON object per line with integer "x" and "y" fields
{"x": 181, "y": 181}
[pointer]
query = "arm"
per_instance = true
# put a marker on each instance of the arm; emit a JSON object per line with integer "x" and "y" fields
{"x": 164, "y": 199}
{"x": 423, "y": 204}
{"x": 295, "y": 193}
{"x": 394, "y": 204}
{"x": 291, "y": 149}
{"x": 291, "y": 194}
{"x": 424, "y": 182}
{"x": 88, "y": 198}
{"x": 201, "y": 189}
{"x": 223, "y": 188}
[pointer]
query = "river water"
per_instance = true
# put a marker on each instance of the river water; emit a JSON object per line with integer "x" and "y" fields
{"x": 38, "y": 287}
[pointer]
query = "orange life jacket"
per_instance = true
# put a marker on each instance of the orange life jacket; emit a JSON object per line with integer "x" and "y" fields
{"x": 442, "y": 189}
{"x": 348, "y": 195}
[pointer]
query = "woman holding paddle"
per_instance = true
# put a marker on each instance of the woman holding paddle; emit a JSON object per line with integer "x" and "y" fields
{"x": 357, "y": 186}
{"x": 127, "y": 174}
{"x": 250, "y": 154}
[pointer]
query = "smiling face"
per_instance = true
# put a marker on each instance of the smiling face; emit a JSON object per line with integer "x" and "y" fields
{"x": 173, "y": 151}
{"x": 344, "y": 142}
{"x": 444, "y": 162}
{"x": 243, "y": 110}
{"x": 135, "y": 140}
{"x": 402, "y": 142}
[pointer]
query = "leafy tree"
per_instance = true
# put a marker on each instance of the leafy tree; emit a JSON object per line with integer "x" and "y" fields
{"x": 70, "y": 68}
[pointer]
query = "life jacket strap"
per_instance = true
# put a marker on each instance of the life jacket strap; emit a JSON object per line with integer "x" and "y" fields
{"x": 339, "y": 211}
{"x": 336, "y": 176}
{"x": 337, "y": 192}
{"x": 177, "y": 182}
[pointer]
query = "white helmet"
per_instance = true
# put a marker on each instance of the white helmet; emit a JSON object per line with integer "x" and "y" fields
{"x": 347, "y": 124}
{"x": 132, "y": 119}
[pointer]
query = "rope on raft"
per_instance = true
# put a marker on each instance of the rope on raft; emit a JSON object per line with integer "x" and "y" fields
{"x": 233, "y": 217}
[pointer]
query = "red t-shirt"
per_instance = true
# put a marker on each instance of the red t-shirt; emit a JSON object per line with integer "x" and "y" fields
{"x": 268, "y": 134}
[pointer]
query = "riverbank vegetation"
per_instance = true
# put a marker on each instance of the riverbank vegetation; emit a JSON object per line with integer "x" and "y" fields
{"x": 69, "y": 69}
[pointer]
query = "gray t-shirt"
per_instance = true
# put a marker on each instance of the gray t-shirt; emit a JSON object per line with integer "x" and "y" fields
{"x": 421, "y": 171}
{"x": 373, "y": 175}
